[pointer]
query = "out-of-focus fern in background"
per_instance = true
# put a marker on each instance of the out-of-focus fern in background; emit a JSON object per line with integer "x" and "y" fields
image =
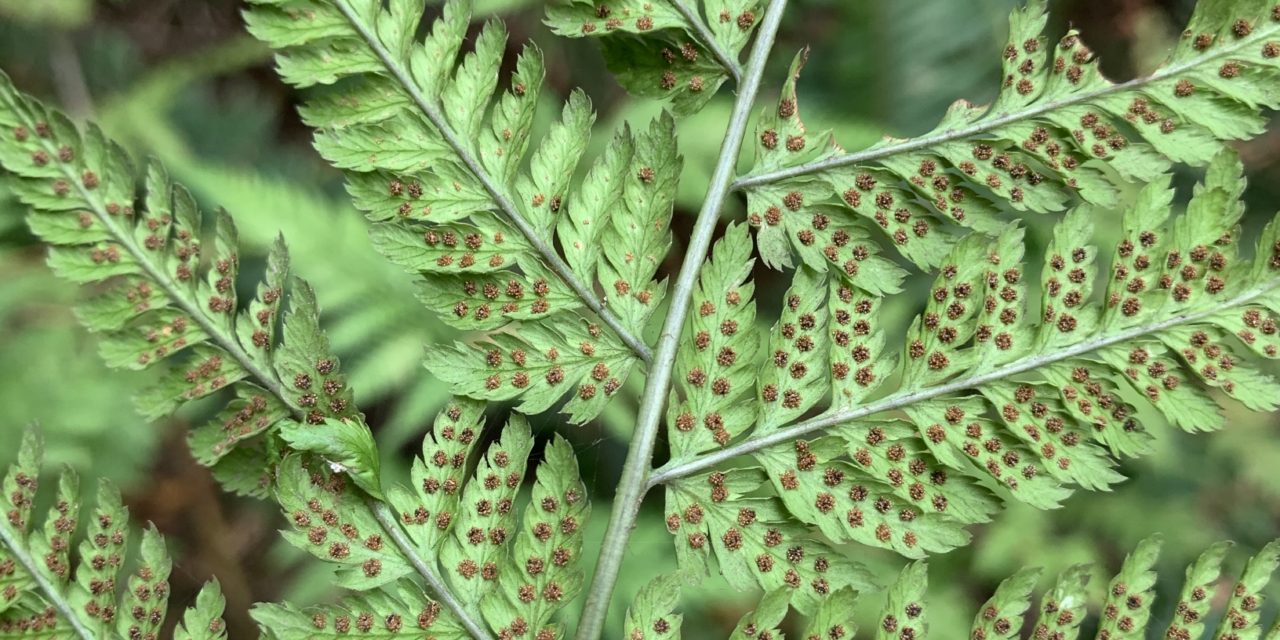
{"x": 180, "y": 80}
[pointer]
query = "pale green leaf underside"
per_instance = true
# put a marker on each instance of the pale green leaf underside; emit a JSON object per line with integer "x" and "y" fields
{"x": 50, "y": 591}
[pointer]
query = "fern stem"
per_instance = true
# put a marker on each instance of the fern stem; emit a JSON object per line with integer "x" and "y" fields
{"x": 726, "y": 60}
{"x": 388, "y": 521}
{"x": 51, "y": 592}
{"x": 635, "y": 472}
{"x": 231, "y": 345}
{"x": 491, "y": 186}
{"x": 677, "y": 470}
{"x": 989, "y": 124}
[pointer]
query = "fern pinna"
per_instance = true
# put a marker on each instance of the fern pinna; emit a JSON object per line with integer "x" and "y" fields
{"x": 41, "y": 596}
{"x": 1014, "y": 382}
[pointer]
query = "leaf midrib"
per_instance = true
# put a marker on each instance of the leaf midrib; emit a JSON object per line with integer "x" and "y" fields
{"x": 676, "y": 470}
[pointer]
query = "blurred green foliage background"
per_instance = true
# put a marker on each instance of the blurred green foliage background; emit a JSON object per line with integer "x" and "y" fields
{"x": 180, "y": 81}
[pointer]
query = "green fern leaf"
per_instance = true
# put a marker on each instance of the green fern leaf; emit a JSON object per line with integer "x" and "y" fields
{"x": 755, "y": 542}
{"x": 466, "y": 525}
{"x": 904, "y": 610}
{"x": 1036, "y": 404}
{"x": 538, "y": 366}
{"x": 716, "y": 375}
{"x": 290, "y": 378}
{"x": 780, "y": 455}
{"x": 889, "y": 455}
{"x": 1242, "y": 618}
{"x": 1040, "y": 146}
{"x": 203, "y": 620}
{"x": 107, "y": 539}
{"x": 39, "y": 598}
{"x": 1063, "y": 610}
{"x": 1002, "y": 617}
{"x": 330, "y": 520}
{"x": 766, "y": 618}
{"x": 486, "y": 517}
{"x": 549, "y": 544}
{"x": 162, "y": 304}
{"x": 147, "y": 589}
{"x": 429, "y": 509}
{"x": 859, "y": 364}
{"x": 580, "y": 233}
{"x": 834, "y": 618}
{"x": 958, "y": 435}
{"x": 19, "y": 494}
{"x": 652, "y": 615}
{"x": 1127, "y": 609}
{"x": 397, "y": 609}
{"x": 797, "y": 380}
{"x": 346, "y": 445}
{"x": 436, "y": 157}
{"x": 636, "y": 241}
{"x": 1194, "y": 603}
{"x": 247, "y": 470}
{"x": 847, "y": 503}
{"x": 664, "y": 50}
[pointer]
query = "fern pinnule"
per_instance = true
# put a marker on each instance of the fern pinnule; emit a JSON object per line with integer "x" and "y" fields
{"x": 765, "y": 619}
{"x": 203, "y": 621}
{"x": 548, "y": 541}
{"x": 435, "y": 157}
{"x": 378, "y": 345}
{"x": 756, "y": 542}
{"x": 713, "y": 379}
{"x": 1004, "y": 614}
{"x": 1131, "y": 591}
{"x": 395, "y": 609}
{"x": 664, "y": 50}
{"x": 652, "y": 614}
{"x": 38, "y": 595}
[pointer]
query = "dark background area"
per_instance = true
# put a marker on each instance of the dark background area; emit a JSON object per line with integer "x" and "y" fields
{"x": 180, "y": 81}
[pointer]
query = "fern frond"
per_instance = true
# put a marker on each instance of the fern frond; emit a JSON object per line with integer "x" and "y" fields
{"x": 993, "y": 395}
{"x": 1126, "y": 606}
{"x": 435, "y": 154}
{"x": 284, "y": 377}
{"x": 379, "y": 345}
{"x": 1057, "y": 133}
{"x": 171, "y": 294}
{"x": 517, "y": 577}
{"x": 165, "y": 302}
{"x": 667, "y": 50}
{"x": 39, "y": 597}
